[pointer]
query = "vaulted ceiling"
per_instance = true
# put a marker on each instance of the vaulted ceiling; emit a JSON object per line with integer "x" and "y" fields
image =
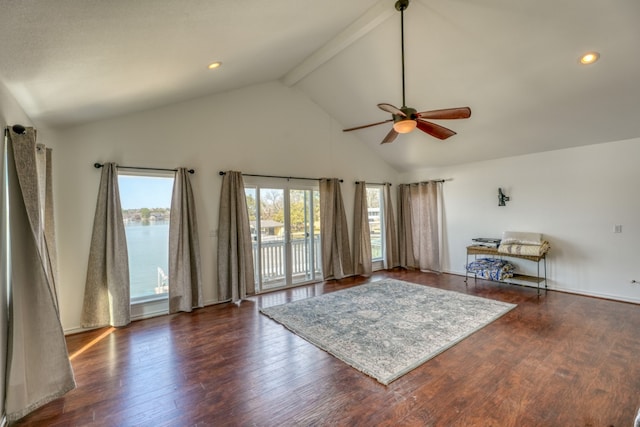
{"x": 514, "y": 62}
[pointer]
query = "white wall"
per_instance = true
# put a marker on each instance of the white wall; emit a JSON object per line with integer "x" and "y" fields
{"x": 573, "y": 196}
{"x": 264, "y": 129}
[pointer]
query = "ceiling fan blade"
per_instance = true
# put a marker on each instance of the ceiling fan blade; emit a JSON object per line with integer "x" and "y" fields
{"x": 391, "y": 109}
{"x": 435, "y": 130}
{"x": 391, "y": 136}
{"x": 446, "y": 114}
{"x": 366, "y": 126}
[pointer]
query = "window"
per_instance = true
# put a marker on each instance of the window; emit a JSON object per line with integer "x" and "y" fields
{"x": 376, "y": 221}
{"x": 146, "y": 209}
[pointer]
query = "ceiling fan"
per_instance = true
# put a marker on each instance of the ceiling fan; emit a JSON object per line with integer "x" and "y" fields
{"x": 406, "y": 119}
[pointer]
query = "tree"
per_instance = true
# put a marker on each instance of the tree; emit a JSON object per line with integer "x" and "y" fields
{"x": 373, "y": 198}
{"x": 144, "y": 213}
{"x": 272, "y": 205}
{"x": 297, "y": 215}
{"x": 251, "y": 205}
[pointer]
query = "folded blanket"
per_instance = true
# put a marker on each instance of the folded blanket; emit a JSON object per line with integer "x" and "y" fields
{"x": 521, "y": 238}
{"x": 527, "y": 250}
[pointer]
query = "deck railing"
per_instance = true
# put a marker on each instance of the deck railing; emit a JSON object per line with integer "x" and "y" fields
{"x": 273, "y": 266}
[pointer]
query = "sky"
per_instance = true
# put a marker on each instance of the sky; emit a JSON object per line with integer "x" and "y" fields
{"x": 145, "y": 192}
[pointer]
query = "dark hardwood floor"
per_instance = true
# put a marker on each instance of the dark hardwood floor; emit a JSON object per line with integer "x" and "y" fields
{"x": 555, "y": 360}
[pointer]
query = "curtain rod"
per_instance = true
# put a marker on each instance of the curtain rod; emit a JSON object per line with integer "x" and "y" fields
{"x": 431, "y": 180}
{"x": 374, "y": 183}
{"x": 277, "y": 176}
{"x": 385, "y": 183}
{"x": 99, "y": 165}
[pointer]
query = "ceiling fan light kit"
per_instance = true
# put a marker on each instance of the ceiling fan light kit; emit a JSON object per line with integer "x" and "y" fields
{"x": 406, "y": 119}
{"x": 405, "y": 125}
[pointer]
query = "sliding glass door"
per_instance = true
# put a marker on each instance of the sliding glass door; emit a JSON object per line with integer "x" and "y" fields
{"x": 285, "y": 228}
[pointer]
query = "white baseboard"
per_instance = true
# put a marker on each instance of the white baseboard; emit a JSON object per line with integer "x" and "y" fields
{"x": 148, "y": 313}
{"x": 553, "y": 287}
{"x": 75, "y": 330}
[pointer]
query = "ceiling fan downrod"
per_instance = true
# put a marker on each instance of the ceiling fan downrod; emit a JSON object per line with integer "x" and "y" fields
{"x": 401, "y": 6}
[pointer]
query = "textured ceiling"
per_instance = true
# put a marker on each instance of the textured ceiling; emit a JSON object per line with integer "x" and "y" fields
{"x": 514, "y": 62}
{"x": 78, "y": 60}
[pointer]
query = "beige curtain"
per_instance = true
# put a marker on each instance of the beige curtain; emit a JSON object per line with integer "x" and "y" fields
{"x": 336, "y": 253}
{"x": 405, "y": 236}
{"x": 391, "y": 258}
{"x": 185, "y": 276}
{"x": 38, "y": 368}
{"x": 107, "y": 294}
{"x": 425, "y": 223}
{"x": 4, "y": 268}
{"x": 361, "y": 233}
{"x": 235, "y": 254}
{"x": 45, "y": 157}
{"x": 421, "y": 226}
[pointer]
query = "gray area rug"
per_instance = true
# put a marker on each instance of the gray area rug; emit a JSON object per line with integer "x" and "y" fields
{"x": 387, "y": 328}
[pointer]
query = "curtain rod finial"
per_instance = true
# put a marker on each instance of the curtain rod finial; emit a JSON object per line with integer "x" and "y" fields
{"x": 19, "y": 129}
{"x": 221, "y": 173}
{"x": 97, "y": 165}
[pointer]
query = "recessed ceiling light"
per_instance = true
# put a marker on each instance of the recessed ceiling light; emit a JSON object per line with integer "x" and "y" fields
{"x": 215, "y": 65}
{"x": 589, "y": 58}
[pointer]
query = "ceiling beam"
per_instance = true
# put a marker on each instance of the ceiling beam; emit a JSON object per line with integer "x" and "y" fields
{"x": 360, "y": 27}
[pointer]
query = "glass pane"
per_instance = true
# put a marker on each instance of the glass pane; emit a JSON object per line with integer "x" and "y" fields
{"x": 252, "y": 209}
{"x": 317, "y": 257}
{"x": 271, "y": 234}
{"x": 146, "y": 209}
{"x": 302, "y": 249}
{"x": 374, "y": 198}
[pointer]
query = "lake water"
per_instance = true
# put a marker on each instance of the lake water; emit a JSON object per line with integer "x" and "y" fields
{"x": 148, "y": 247}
